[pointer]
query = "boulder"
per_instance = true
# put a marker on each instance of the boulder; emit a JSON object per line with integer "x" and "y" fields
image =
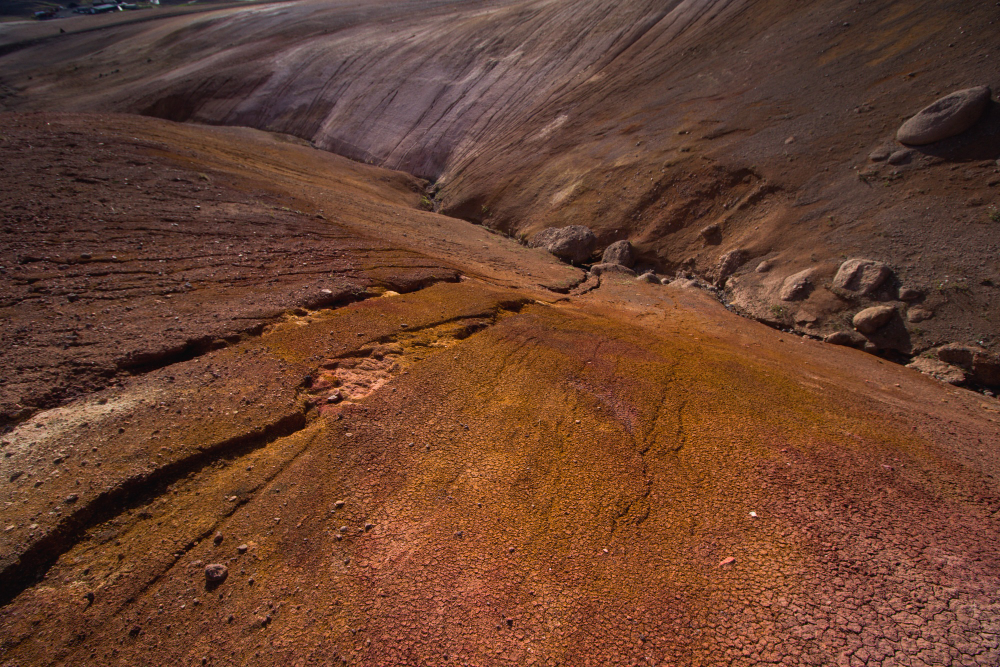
{"x": 731, "y": 261}
{"x": 619, "y": 252}
{"x": 796, "y": 286}
{"x": 939, "y": 370}
{"x": 602, "y": 268}
{"x": 947, "y": 117}
{"x": 574, "y": 243}
{"x": 712, "y": 234}
{"x": 845, "y": 338}
{"x": 870, "y": 320}
{"x": 649, "y": 277}
{"x": 861, "y": 275}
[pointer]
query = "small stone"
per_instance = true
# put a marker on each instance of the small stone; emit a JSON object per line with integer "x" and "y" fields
{"x": 870, "y": 320}
{"x": 949, "y": 116}
{"x": 71, "y": 498}
{"x": 902, "y": 156}
{"x": 919, "y": 314}
{"x": 369, "y": 526}
{"x": 764, "y": 267}
{"x": 335, "y": 397}
{"x": 879, "y": 155}
{"x": 726, "y": 562}
{"x": 910, "y": 295}
{"x": 338, "y": 505}
{"x": 242, "y": 549}
{"x": 215, "y": 574}
{"x": 218, "y": 538}
{"x": 649, "y": 277}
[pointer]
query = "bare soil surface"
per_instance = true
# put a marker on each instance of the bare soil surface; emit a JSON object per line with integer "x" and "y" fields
{"x": 260, "y": 405}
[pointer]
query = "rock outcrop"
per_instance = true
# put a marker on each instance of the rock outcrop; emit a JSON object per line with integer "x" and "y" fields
{"x": 574, "y": 243}
{"x": 939, "y": 370}
{"x": 981, "y": 366}
{"x": 731, "y": 261}
{"x": 947, "y": 117}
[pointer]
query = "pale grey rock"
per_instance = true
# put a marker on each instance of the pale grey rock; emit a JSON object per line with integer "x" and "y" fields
{"x": 947, "y": 117}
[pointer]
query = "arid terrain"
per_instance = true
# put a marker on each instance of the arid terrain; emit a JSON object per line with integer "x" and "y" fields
{"x": 293, "y": 373}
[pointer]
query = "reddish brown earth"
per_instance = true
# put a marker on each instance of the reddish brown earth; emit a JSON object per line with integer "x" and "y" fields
{"x": 413, "y": 440}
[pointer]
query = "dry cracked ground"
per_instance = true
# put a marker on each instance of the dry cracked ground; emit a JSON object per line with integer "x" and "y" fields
{"x": 269, "y": 397}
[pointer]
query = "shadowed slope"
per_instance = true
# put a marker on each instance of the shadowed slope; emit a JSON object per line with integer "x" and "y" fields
{"x": 642, "y": 120}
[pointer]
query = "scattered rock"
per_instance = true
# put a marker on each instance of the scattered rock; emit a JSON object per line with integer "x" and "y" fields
{"x": 861, "y": 275}
{"x": 71, "y": 498}
{"x": 726, "y": 562}
{"x": 217, "y": 540}
{"x": 910, "y": 295}
{"x": 601, "y": 269}
{"x": 619, "y": 252}
{"x": 919, "y": 314}
{"x": 334, "y": 397}
{"x": 901, "y": 156}
{"x": 650, "y": 277}
{"x": 574, "y": 243}
{"x": 712, "y": 234}
{"x": 939, "y": 370}
{"x": 846, "y": 338}
{"x": 879, "y": 155}
{"x": 731, "y": 261}
{"x": 242, "y": 549}
{"x": 215, "y": 574}
{"x": 764, "y": 266}
{"x": 796, "y": 286}
{"x": 947, "y": 117}
{"x": 338, "y": 505}
{"x": 870, "y": 320}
